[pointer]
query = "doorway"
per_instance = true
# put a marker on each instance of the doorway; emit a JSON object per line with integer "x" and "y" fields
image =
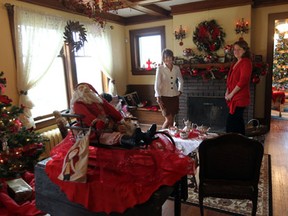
{"x": 279, "y": 108}
{"x": 273, "y": 20}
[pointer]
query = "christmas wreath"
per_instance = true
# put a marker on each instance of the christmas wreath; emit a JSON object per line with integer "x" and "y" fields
{"x": 208, "y": 36}
{"x": 73, "y": 28}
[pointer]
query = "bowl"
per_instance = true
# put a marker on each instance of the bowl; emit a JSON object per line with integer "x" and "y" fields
{"x": 184, "y": 134}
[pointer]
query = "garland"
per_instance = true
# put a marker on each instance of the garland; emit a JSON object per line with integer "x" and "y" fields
{"x": 220, "y": 72}
{"x": 71, "y": 29}
{"x": 208, "y": 36}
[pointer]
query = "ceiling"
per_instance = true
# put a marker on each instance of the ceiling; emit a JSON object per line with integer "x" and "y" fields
{"x": 150, "y": 7}
{"x": 141, "y": 11}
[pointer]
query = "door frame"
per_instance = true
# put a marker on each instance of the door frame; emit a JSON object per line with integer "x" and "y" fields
{"x": 270, "y": 51}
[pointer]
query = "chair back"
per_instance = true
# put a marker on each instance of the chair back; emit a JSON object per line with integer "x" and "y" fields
{"x": 67, "y": 121}
{"x": 230, "y": 157}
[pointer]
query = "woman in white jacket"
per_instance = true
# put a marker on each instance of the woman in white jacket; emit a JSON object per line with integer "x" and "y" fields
{"x": 168, "y": 87}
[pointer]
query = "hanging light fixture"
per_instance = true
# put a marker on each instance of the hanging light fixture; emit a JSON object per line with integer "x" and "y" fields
{"x": 97, "y": 10}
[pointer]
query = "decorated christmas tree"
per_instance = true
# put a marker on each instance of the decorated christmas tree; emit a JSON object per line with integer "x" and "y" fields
{"x": 280, "y": 64}
{"x": 20, "y": 147}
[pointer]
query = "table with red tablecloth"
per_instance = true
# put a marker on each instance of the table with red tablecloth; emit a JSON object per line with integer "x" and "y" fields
{"x": 278, "y": 98}
{"x": 119, "y": 179}
{"x": 278, "y": 95}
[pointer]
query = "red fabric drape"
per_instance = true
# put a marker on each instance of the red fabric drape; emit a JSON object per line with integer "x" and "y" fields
{"x": 8, "y": 207}
{"x": 118, "y": 179}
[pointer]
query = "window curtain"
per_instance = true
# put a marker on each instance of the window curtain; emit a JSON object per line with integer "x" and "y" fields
{"x": 38, "y": 40}
{"x": 101, "y": 40}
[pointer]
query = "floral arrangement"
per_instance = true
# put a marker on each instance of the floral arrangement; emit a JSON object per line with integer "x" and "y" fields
{"x": 208, "y": 36}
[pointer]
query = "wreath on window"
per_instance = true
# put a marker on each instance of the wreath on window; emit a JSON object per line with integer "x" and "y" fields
{"x": 208, "y": 36}
{"x": 70, "y": 35}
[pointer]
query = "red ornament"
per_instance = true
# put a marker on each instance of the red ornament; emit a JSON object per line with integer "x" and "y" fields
{"x": 263, "y": 72}
{"x": 17, "y": 125}
{"x": 256, "y": 79}
{"x": 194, "y": 72}
{"x": 181, "y": 43}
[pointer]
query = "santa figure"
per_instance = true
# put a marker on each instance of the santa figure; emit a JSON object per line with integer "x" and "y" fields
{"x": 108, "y": 122}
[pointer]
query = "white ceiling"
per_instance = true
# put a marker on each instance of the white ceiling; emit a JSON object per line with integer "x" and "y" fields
{"x": 129, "y": 12}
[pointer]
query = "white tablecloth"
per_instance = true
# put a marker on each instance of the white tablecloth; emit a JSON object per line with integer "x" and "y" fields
{"x": 186, "y": 145}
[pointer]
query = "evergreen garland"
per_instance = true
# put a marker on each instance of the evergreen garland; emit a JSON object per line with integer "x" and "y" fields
{"x": 71, "y": 30}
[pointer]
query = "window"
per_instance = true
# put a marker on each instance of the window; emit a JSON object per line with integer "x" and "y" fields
{"x": 53, "y": 92}
{"x": 50, "y": 93}
{"x": 146, "y": 47}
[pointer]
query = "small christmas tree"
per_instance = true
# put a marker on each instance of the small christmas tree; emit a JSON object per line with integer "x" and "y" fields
{"x": 280, "y": 64}
{"x": 19, "y": 148}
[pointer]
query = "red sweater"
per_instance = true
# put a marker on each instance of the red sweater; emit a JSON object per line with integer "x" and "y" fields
{"x": 239, "y": 76}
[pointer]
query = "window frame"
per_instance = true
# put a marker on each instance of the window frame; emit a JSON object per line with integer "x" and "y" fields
{"x": 134, "y": 47}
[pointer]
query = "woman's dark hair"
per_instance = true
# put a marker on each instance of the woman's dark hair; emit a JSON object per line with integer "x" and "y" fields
{"x": 244, "y": 45}
{"x": 167, "y": 53}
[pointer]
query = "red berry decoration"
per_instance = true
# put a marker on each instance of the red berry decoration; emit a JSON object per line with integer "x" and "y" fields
{"x": 256, "y": 79}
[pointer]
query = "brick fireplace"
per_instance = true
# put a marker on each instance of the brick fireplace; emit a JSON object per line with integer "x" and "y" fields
{"x": 202, "y": 102}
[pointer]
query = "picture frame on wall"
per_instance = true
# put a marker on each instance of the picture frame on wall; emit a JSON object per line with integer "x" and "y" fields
{"x": 258, "y": 58}
{"x": 132, "y": 99}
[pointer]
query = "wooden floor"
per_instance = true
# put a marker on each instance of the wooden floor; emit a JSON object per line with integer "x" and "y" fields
{"x": 276, "y": 144}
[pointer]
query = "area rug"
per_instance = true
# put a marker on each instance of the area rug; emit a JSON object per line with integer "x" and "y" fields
{"x": 242, "y": 207}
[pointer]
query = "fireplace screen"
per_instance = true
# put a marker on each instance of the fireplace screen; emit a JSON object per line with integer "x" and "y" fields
{"x": 209, "y": 111}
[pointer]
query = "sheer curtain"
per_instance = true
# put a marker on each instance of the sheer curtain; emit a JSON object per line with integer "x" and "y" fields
{"x": 103, "y": 54}
{"x": 38, "y": 40}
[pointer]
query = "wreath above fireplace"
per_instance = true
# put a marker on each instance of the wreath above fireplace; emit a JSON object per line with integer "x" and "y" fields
{"x": 208, "y": 36}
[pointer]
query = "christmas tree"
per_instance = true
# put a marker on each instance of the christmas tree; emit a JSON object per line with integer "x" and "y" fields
{"x": 280, "y": 63}
{"x": 20, "y": 147}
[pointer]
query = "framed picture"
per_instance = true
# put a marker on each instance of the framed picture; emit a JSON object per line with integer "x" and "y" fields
{"x": 258, "y": 58}
{"x": 132, "y": 99}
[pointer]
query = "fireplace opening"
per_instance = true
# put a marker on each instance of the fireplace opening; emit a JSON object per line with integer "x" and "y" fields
{"x": 208, "y": 111}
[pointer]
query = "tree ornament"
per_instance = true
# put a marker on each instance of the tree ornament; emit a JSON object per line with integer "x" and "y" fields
{"x": 208, "y": 36}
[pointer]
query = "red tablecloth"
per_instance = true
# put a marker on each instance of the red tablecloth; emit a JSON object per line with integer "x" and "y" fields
{"x": 119, "y": 179}
{"x": 280, "y": 95}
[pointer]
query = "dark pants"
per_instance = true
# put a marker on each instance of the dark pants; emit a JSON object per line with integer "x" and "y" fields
{"x": 235, "y": 122}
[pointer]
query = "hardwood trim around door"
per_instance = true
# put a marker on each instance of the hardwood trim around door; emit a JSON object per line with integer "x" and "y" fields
{"x": 270, "y": 51}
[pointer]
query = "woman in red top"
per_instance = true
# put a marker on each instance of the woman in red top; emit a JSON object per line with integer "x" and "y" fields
{"x": 238, "y": 87}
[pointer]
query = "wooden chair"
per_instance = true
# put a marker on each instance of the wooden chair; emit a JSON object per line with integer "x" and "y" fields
{"x": 230, "y": 168}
